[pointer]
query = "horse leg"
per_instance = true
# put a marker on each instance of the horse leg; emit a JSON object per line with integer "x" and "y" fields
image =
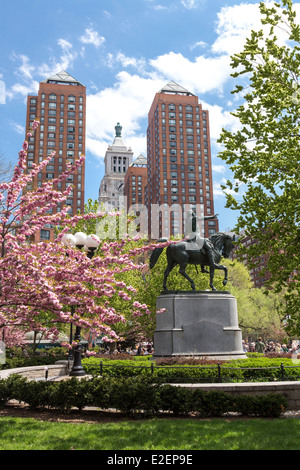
{"x": 211, "y": 275}
{"x": 184, "y": 274}
{"x": 223, "y": 268}
{"x": 171, "y": 264}
{"x": 212, "y": 270}
{"x": 225, "y": 275}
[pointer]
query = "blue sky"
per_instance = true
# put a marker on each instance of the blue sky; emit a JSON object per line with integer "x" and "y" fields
{"x": 123, "y": 51}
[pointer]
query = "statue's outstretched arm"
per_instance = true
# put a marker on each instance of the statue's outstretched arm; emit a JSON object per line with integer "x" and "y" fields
{"x": 207, "y": 217}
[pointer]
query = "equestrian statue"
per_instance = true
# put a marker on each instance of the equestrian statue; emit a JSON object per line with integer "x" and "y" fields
{"x": 196, "y": 250}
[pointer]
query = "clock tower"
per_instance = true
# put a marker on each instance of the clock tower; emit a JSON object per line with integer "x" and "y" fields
{"x": 117, "y": 160}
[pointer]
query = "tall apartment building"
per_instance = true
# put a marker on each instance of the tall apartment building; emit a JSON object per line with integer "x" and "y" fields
{"x": 135, "y": 182}
{"x": 117, "y": 160}
{"x": 260, "y": 262}
{"x": 60, "y": 106}
{"x": 134, "y": 192}
{"x": 179, "y": 162}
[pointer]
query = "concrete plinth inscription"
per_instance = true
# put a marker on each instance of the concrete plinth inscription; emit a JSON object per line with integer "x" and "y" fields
{"x": 201, "y": 323}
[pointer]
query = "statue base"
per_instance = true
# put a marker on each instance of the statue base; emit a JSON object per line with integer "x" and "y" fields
{"x": 198, "y": 324}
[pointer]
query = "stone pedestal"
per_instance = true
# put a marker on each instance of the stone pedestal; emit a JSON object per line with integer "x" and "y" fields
{"x": 198, "y": 324}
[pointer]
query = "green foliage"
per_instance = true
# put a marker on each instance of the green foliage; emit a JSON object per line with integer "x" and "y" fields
{"x": 138, "y": 395}
{"x": 132, "y": 395}
{"x": 12, "y": 386}
{"x": 36, "y": 394}
{"x": 67, "y": 394}
{"x": 20, "y": 361}
{"x": 270, "y": 405}
{"x": 177, "y": 400}
{"x": 263, "y": 153}
{"x": 4, "y": 393}
{"x": 258, "y": 369}
{"x": 260, "y": 311}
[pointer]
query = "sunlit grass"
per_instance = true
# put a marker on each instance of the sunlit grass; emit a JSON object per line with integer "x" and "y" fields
{"x": 156, "y": 434}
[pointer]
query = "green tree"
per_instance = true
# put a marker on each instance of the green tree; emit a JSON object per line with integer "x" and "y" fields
{"x": 264, "y": 153}
{"x": 261, "y": 312}
{"x": 116, "y": 227}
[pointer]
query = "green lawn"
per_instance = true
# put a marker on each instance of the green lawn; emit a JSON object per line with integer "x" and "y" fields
{"x": 155, "y": 434}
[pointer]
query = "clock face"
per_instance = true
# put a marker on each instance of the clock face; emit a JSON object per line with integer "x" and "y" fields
{"x": 119, "y": 186}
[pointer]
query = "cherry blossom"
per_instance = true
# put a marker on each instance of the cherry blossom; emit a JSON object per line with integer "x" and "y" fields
{"x": 46, "y": 284}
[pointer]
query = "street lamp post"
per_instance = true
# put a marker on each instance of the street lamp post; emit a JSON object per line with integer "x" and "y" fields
{"x": 90, "y": 242}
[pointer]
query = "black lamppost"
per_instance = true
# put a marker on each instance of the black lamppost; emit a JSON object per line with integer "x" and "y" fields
{"x": 90, "y": 244}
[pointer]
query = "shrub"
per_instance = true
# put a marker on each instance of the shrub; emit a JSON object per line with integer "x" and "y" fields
{"x": 67, "y": 394}
{"x": 101, "y": 389}
{"x": 15, "y": 384}
{"x": 270, "y": 406}
{"x": 35, "y": 394}
{"x": 176, "y": 399}
{"x": 135, "y": 395}
{"x": 215, "y": 403}
{"x": 4, "y": 394}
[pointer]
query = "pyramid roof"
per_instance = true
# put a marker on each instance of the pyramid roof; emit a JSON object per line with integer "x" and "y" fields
{"x": 62, "y": 77}
{"x": 173, "y": 87}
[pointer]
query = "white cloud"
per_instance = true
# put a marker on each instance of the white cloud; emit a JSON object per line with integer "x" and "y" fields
{"x": 18, "y": 127}
{"x": 126, "y": 61}
{"x": 25, "y": 70}
{"x": 64, "y": 62}
{"x": 2, "y": 92}
{"x": 128, "y": 102}
{"x": 92, "y": 37}
{"x": 198, "y": 44}
{"x": 218, "y": 168}
{"x": 190, "y": 4}
{"x": 219, "y": 119}
{"x": 160, "y": 7}
{"x": 65, "y": 45}
{"x": 234, "y": 25}
{"x": 23, "y": 90}
{"x": 201, "y": 76}
{"x": 219, "y": 192}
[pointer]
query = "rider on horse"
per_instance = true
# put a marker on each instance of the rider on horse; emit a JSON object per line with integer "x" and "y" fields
{"x": 194, "y": 237}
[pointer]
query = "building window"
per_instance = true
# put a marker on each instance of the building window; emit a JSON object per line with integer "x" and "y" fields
{"x": 45, "y": 234}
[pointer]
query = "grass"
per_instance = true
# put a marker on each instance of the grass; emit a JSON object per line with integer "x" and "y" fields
{"x": 155, "y": 434}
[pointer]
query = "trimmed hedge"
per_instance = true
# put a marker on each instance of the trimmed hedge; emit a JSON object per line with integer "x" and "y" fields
{"x": 258, "y": 369}
{"x": 21, "y": 361}
{"x": 135, "y": 395}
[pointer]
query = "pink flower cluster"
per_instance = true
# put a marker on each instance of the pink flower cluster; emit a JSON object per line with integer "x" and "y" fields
{"x": 42, "y": 283}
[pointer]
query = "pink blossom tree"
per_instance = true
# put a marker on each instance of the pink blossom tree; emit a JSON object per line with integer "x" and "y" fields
{"x": 46, "y": 284}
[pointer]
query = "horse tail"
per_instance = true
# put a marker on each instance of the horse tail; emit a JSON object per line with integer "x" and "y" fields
{"x": 156, "y": 253}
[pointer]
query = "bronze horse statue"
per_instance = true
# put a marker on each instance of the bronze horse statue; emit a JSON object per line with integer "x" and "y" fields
{"x": 186, "y": 252}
